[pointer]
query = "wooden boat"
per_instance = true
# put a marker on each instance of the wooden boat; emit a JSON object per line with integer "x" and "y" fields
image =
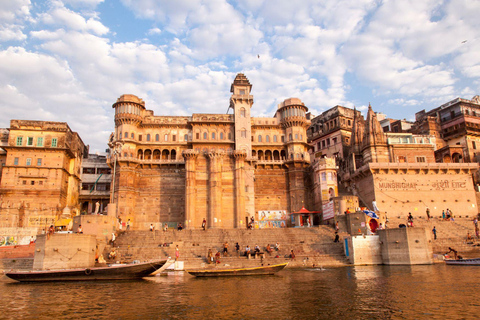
{"x": 117, "y": 272}
{"x": 263, "y": 270}
{"x": 463, "y": 262}
{"x": 167, "y": 264}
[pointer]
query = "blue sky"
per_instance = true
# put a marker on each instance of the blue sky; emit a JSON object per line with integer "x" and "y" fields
{"x": 69, "y": 60}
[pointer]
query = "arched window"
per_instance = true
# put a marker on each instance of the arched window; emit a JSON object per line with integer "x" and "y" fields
{"x": 166, "y": 137}
{"x": 296, "y": 136}
{"x": 132, "y": 136}
{"x": 244, "y": 133}
{"x": 290, "y": 137}
{"x": 267, "y": 139}
{"x": 157, "y": 137}
{"x": 259, "y": 138}
{"x": 242, "y": 112}
{"x": 204, "y": 136}
{"x": 221, "y": 135}
{"x": 148, "y": 137}
{"x": 185, "y": 137}
{"x": 213, "y": 135}
{"x": 274, "y": 138}
{"x": 126, "y": 134}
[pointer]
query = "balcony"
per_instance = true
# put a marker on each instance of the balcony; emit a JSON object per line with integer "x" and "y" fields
{"x": 147, "y": 161}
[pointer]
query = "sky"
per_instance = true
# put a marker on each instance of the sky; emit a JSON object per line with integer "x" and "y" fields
{"x": 69, "y": 60}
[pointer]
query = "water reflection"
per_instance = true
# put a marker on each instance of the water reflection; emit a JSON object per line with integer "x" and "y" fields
{"x": 373, "y": 292}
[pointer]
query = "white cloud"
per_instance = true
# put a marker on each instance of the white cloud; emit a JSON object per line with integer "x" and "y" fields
{"x": 72, "y": 66}
{"x": 81, "y": 3}
{"x": 11, "y": 32}
{"x": 12, "y": 10}
{"x": 375, "y": 57}
{"x": 64, "y": 17}
{"x": 154, "y": 31}
{"x": 405, "y": 102}
{"x": 47, "y": 35}
{"x": 12, "y": 14}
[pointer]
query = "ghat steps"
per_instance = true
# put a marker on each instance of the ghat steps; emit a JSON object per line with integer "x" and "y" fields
{"x": 449, "y": 233}
{"x": 311, "y": 246}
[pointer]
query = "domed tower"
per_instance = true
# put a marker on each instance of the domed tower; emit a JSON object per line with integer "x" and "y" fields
{"x": 129, "y": 112}
{"x": 293, "y": 118}
{"x": 128, "y": 116}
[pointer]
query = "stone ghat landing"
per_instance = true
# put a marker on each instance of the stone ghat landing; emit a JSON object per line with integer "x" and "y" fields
{"x": 311, "y": 246}
{"x": 449, "y": 234}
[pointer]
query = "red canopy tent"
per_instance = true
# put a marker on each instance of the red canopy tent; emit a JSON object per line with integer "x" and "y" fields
{"x": 304, "y": 218}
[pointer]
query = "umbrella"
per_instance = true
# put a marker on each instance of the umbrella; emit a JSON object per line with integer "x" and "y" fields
{"x": 371, "y": 214}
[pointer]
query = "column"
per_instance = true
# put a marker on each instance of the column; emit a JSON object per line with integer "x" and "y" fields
{"x": 239, "y": 212}
{"x": 215, "y": 188}
{"x": 190, "y": 183}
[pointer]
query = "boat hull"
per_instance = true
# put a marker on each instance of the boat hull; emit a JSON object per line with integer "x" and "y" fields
{"x": 463, "y": 262}
{"x": 264, "y": 270}
{"x": 123, "y": 272}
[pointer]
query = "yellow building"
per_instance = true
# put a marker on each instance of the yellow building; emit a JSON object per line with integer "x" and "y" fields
{"x": 221, "y": 167}
{"x": 41, "y": 176}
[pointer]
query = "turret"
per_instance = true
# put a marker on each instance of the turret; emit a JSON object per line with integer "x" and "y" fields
{"x": 128, "y": 110}
{"x": 292, "y": 113}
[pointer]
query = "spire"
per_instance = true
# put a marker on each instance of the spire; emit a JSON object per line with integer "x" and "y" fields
{"x": 373, "y": 130}
{"x": 357, "y": 132}
{"x": 241, "y": 80}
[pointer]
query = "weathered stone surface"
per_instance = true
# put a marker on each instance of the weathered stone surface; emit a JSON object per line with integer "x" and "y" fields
{"x": 41, "y": 177}
{"x": 64, "y": 251}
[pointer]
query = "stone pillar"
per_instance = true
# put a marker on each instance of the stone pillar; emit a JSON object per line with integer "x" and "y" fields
{"x": 239, "y": 212}
{"x": 190, "y": 183}
{"x": 215, "y": 188}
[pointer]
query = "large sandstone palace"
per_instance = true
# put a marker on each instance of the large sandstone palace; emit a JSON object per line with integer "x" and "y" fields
{"x": 225, "y": 168}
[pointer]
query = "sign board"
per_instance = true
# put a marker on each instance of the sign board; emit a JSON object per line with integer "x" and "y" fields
{"x": 328, "y": 212}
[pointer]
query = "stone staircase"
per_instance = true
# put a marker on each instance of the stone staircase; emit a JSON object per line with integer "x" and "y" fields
{"x": 16, "y": 264}
{"x": 449, "y": 233}
{"x": 311, "y": 246}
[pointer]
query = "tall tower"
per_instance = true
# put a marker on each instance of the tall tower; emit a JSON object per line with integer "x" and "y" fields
{"x": 294, "y": 121}
{"x": 241, "y": 102}
{"x": 129, "y": 111}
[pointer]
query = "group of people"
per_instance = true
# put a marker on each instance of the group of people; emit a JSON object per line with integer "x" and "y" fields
{"x": 124, "y": 225}
{"x": 447, "y": 215}
{"x": 215, "y": 258}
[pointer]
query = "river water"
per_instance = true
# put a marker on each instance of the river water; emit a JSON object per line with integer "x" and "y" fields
{"x": 367, "y": 292}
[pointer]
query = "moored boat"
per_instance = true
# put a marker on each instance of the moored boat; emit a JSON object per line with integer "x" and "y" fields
{"x": 263, "y": 270}
{"x": 117, "y": 272}
{"x": 167, "y": 264}
{"x": 463, "y": 262}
